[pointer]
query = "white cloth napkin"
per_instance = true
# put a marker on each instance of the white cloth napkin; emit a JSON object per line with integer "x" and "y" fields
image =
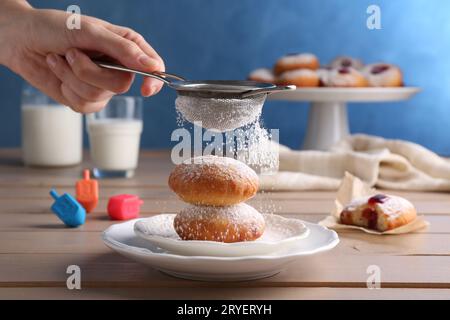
{"x": 383, "y": 163}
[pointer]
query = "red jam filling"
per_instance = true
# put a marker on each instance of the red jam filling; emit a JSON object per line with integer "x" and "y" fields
{"x": 378, "y": 198}
{"x": 379, "y": 69}
{"x": 372, "y": 217}
{"x": 344, "y": 70}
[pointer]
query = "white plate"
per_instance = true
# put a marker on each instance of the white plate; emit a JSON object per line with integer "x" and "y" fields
{"x": 122, "y": 239}
{"x": 346, "y": 94}
{"x": 280, "y": 233}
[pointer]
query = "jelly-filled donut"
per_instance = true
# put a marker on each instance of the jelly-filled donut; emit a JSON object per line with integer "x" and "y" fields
{"x": 345, "y": 77}
{"x": 300, "y": 78}
{"x": 235, "y": 223}
{"x": 296, "y": 61}
{"x": 344, "y": 61}
{"x": 262, "y": 75}
{"x": 323, "y": 74}
{"x": 213, "y": 181}
{"x": 379, "y": 212}
{"x": 383, "y": 75}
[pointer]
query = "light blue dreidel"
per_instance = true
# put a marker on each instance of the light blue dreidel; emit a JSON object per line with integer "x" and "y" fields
{"x": 68, "y": 209}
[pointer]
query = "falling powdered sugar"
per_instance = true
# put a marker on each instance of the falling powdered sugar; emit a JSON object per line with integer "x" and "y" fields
{"x": 245, "y": 140}
{"x": 258, "y": 148}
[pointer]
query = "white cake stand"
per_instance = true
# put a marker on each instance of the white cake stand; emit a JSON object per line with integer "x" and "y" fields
{"x": 328, "y": 120}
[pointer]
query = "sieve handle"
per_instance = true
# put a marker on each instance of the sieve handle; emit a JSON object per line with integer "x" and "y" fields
{"x": 270, "y": 90}
{"x": 162, "y": 76}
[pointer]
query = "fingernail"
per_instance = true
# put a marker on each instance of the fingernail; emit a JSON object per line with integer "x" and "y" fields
{"x": 146, "y": 61}
{"x": 146, "y": 93}
{"x": 70, "y": 56}
{"x": 154, "y": 89}
{"x": 51, "y": 60}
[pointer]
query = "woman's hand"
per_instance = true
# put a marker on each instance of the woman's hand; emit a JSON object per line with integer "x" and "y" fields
{"x": 37, "y": 45}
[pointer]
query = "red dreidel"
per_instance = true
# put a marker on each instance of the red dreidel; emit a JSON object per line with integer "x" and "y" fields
{"x": 124, "y": 207}
{"x": 87, "y": 192}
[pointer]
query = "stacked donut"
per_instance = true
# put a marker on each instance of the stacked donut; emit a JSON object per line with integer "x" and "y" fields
{"x": 215, "y": 189}
{"x": 304, "y": 70}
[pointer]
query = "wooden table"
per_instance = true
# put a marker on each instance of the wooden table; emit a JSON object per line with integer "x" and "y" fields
{"x": 35, "y": 249}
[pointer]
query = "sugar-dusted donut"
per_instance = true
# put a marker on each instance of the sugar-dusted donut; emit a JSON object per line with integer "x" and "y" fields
{"x": 323, "y": 74}
{"x": 296, "y": 61}
{"x": 345, "y": 61}
{"x": 299, "y": 77}
{"x": 214, "y": 181}
{"x": 345, "y": 77}
{"x": 262, "y": 75}
{"x": 383, "y": 75}
{"x": 235, "y": 223}
{"x": 379, "y": 212}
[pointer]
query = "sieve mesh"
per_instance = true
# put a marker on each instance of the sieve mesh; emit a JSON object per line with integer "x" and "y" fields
{"x": 218, "y": 113}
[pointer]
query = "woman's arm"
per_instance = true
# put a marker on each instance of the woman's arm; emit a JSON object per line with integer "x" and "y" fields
{"x": 10, "y": 11}
{"x": 37, "y": 45}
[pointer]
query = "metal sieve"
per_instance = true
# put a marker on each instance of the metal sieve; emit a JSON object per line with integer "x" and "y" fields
{"x": 218, "y": 104}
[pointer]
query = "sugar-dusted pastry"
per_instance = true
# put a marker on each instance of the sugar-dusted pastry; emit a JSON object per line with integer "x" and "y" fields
{"x": 324, "y": 74}
{"x": 213, "y": 181}
{"x": 235, "y": 223}
{"x": 383, "y": 75}
{"x": 262, "y": 75}
{"x": 344, "y": 61}
{"x": 379, "y": 212}
{"x": 300, "y": 78}
{"x": 296, "y": 61}
{"x": 345, "y": 77}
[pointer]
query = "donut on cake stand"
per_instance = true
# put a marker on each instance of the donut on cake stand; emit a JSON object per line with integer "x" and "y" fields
{"x": 328, "y": 119}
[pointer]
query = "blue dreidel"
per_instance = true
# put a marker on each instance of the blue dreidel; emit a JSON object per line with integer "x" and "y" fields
{"x": 68, "y": 209}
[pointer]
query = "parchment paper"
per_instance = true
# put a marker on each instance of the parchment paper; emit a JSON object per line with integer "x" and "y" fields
{"x": 351, "y": 188}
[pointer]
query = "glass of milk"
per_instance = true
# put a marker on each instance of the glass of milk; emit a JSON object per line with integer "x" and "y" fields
{"x": 52, "y": 134}
{"x": 114, "y": 137}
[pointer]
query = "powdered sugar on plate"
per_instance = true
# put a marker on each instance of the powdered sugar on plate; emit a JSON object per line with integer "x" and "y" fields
{"x": 280, "y": 234}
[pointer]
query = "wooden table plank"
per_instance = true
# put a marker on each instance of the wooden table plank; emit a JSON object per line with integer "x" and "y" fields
{"x": 35, "y": 249}
{"x": 353, "y": 243}
{"x": 173, "y": 204}
{"x": 99, "y": 221}
{"x": 152, "y": 172}
{"x": 224, "y": 293}
{"x": 108, "y": 269}
{"x": 163, "y": 191}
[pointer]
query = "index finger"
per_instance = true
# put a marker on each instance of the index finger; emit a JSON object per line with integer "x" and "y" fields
{"x": 150, "y": 86}
{"x": 123, "y": 50}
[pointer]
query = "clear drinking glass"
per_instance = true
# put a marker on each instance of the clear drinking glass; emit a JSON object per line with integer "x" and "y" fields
{"x": 51, "y": 132}
{"x": 114, "y": 137}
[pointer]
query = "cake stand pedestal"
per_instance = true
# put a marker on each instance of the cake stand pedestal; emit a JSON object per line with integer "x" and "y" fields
{"x": 328, "y": 119}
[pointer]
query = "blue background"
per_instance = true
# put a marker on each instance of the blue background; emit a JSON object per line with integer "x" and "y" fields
{"x": 225, "y": 39}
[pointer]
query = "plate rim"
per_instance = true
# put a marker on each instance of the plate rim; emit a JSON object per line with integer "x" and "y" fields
{"x": 111, "y": 243}
{"x": 351, "y": 95}
{"x": 355, "y": 89}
